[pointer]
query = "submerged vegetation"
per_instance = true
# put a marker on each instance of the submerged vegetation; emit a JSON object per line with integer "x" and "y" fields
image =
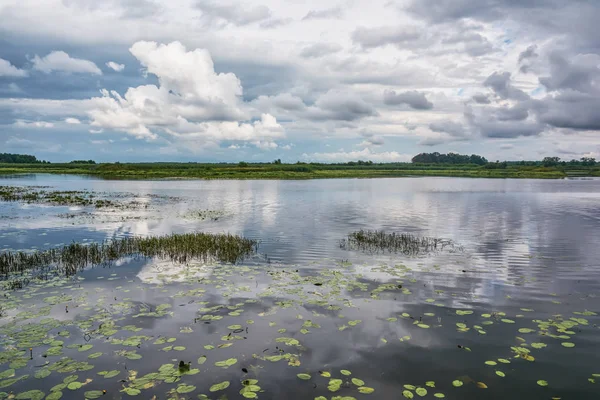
{"x": 40, "y": 195}
{"x": 407, "y": 244}
{"x": 180, "y": 248}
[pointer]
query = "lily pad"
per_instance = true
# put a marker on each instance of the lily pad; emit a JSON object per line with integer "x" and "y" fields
{"x": 219, "y": 386}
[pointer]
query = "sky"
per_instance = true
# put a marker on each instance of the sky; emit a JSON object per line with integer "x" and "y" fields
{"x": 299, "y": 80}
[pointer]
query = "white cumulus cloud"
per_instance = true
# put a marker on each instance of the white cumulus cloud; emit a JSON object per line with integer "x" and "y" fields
{"x": 9, "y": 70}
{"x": 115, "y": 66}
{"x": 191, "y": 103}
{"x": 72, "y": 121}
{"x": 61, "y": 61}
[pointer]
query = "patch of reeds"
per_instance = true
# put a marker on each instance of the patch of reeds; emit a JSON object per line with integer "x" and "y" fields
{"x": 179, "y": 248}
{"x": 407, "y": 244}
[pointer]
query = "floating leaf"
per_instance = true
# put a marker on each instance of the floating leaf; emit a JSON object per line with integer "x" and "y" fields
{"x": 366, "y": 390}
{"x": 408, "y": 394}
{"x": 504, "y": 361}
{"x": 74, "y": 385}
{"x": 492, "y": 363}
{"x": 304, "y": 377}
{"x": 568, "y": 344}
{"x": 457, "y": 383}
{"x": 182, "y": 389}
{"x": 132, "y": 391}
{"x": 345, "y": 372}
{"x": 424, "y": 326}
{"x": 358, "y": 382}
{"x": 542, "y": 383}
{"x": 325, "y": 374}
{"x": 56, "y": 395}
{"x": 421, "y": 391}
{"x": 219, "y": 386}
{"x": 430, "y": 384}
{"x": 500, "y": 374}
{"x": 30, "y": 395}
{"x": 95, "y": 355}
{"x": 201, "y": 360}
{"x": 439, "y": 395}
{"x": 94, "y": 394}
{"x": 85, "y": 347}
{"x": 111, "y": 374}
{"x": 481, "y": 385}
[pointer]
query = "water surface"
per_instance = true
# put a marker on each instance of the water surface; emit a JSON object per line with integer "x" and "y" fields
{"x": 530, "y": 263}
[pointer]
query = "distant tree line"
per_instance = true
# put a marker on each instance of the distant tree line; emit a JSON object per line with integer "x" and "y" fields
{"x": 555, "y": 161}
{"x": 83, "y": 162}
{"x": 19, "y": 159}
{"x": 450, "y": 158}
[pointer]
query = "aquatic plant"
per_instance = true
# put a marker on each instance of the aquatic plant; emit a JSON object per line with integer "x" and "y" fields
{"x": 179, "y": 248}
{"x": 380, "y": 241}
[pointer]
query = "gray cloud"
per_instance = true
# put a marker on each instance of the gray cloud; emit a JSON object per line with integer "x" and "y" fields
{"x": 128, "y": 8}
{"x": 452, "y": 128}
{"x": 530, "y": 52}
{"x": 581, "y": 74}
{"x": 235, "y": 14}
{"x": 481, "y": 98}
{"x": 273, "y": 23}
{"x": 516, "y": 113}
{"x": 337, "y": 105}
{"x": 376, "y": 37}
{"x": 414, "y": 99}
{"x": 320, "y": 49}
{"x": 333, "y": 12}
{"x": 570, "y": 110}
{"x": 471, "y": 42}
{"x": 501, "y": 85}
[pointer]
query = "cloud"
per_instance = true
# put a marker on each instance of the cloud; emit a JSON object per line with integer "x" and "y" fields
{"x": 30, "y": 145}
{"x": 341, "y": 106}
{"x": 61, "y": 61}
{"x": 580, "y": 73}
{"x": 481, "y": 98}
{"x": 571, "y": 110}
{"x": 273, "y": 23}
{"x": 192, "y": 103}
{"x": 414, "y": 99}
{"x": 11, "y": 88}
{"x": 320, "y": 49}
{"x": 365, "y": 155}
{"x": 32, "y": 124}
{"x": 233, "y": 13}
{"x": 9, "y": 70}
{"x": 72, "y": 121}
{"x": 381, "y": 36}
{"x": 528, "y": 53}
{"x": 453, "y": 128}
{"x": 327, "y": 13}
{"x": 501, "y": 84}
{"x": 114, "y": 66}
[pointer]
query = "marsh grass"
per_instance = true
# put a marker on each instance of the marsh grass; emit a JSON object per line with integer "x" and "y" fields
{"x": 180, "y": 248}
{"x": 407, "y": 244}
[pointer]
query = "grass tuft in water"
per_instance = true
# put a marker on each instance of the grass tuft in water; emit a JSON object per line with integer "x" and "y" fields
{"x": 179, "y": 248}
{"x": 407, "y": 244}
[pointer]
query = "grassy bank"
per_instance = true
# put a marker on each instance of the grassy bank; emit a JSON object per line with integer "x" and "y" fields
{"x": 294, "y": 171}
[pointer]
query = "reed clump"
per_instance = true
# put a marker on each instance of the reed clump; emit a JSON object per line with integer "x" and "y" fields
{"x": 179, "y": 248}
{"x": 407, "y": 244}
